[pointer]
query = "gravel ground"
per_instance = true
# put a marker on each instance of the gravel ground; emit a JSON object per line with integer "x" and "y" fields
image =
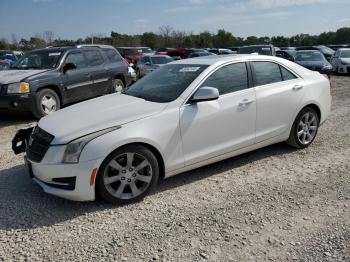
{"x": 274, "y": 204}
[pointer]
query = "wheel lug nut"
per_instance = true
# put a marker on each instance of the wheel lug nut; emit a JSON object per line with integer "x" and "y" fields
{"x": 134, "y": 175}
{"x": 130, "y": 169}
{"x": 129, "y": 180}
{"x": 122, "y": 178}
{"x": 123, "y": 171}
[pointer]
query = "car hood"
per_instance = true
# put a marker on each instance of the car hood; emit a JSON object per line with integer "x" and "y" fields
{"x": 346, "y": 60}
{"x": 97, "y": 114}
{"x": 13, "y": 76}
{"x": 312, "y": 63}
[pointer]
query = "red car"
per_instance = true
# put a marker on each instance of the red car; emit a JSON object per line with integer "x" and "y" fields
{"x": 131, "y": 54}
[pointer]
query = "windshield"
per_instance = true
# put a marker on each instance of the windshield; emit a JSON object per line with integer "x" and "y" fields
{"x": 261, "y": 50}
{"x": 166, "y": 83}
{"x": 345, "y": 54}
{"x": 309, "y": 56}
{"x": 326, "y": 50}
{"x": 7, "y": 55}
{"x": 147, "y": 50}
{"x": 41, "y": 59}
{"x": 133, "y": 51}
{"x": 159, "y": 60}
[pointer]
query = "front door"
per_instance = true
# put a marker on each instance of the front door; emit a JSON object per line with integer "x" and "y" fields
{"x": 212, "y": 128}
{"x": 78, "y": 81}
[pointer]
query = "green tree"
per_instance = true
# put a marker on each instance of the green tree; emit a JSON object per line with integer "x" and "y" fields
{"x": 149, "y": 39}
{"x": 223, "y": 39}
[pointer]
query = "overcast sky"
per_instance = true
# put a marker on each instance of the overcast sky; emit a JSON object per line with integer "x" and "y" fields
{"x": 73, "y": 19}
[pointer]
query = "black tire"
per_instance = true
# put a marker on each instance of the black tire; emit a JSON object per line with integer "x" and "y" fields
{"x": 105, "y": 169}
{"x": 38, "y": 110}
{"x": 117, "y": 85}
{"x": 293, "y": 139}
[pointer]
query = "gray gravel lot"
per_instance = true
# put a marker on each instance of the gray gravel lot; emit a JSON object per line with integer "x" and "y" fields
{"x": 274, "y": 204}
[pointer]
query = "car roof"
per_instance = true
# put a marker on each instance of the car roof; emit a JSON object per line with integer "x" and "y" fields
{"x": 92, "y": 45}
{"x": 308, "y": 51}
{"x": 211, "y": 60}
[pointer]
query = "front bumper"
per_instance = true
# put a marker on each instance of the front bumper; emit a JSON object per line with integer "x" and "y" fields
{"x": 53, "y": 176}
{"x": 17, "y": 102}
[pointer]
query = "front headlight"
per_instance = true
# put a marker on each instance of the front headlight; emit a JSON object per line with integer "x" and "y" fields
{"x": 75, "y": 147}
{"x": 18, "y": 88}
{"x": 344, "y": 62}
{"x": 327, "y": 67}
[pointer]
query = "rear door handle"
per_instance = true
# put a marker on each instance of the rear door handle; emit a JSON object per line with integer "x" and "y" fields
{"x": 297, "y": 87}
{"x": 245, "y": 102}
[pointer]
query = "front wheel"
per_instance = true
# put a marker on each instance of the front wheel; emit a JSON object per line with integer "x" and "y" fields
{"x": 127, "y": 175}
{"x": 46, "y": 102}
{"x": 304, "y": 129}
{"x": 117, "y": 85}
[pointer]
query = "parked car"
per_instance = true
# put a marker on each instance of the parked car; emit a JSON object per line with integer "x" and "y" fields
{"x": 186, "y": 114}
{"x": 326, "y": 51}
{"x": 147, "y": 51}
{"x": 199, "y": 54}
{"x": 234, "y": 49}
{"x": 45, "y": 80}
{"x": 336, "y": 47}
{"x": 313, "y": 60}
{"x": 341, "y": 61}
{"x": 7, "y": 59}
{"x": 287, "y": 48}
{"x": 258, "y": 49}
{"x": 286, "y": 54}
{"x": 131, "y": 54}
{"x": 148, "y": 64}
{"x": 221, "y": 51}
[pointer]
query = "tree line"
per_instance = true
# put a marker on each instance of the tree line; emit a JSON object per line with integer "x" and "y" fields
{"x": 170, "y": 37}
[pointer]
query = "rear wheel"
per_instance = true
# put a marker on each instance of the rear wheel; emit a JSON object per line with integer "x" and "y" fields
{"x": 304, "y": 129}
{"x": 127, "y": 175}
{"x": 46, "y": 102}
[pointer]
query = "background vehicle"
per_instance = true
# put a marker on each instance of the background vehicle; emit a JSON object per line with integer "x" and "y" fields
{"x": 259, "y": 49}
{"x": 287, "y": 48}
{"x": 286, "y": 54}
{"x": 221, "y": 51}
{"x": 147, "y": 51}
{"x": 313, "y": 60}
{"x": 7, "y": 59}
{"x": 131, "y": 54}
{"x": 44, "y": 80}
{"x": 199, "y": 54}
{"x": 326, "y": 51}
{"x": 121, "y": 145}
{"x": 150, "y": 63}
{"x": 336, "y": 47}
{"x": 341, "y": 61}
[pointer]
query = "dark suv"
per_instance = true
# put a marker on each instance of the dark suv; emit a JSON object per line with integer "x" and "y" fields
{"x": 44, "y": 80}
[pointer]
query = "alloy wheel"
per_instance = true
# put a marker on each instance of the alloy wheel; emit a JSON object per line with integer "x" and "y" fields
{"x": 49, "y": 104}
{"x": 307, "y": 128}
{"x": 128, "y": 175}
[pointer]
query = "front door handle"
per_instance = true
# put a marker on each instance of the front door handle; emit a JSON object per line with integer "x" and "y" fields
{"x": 245, "y": 102}
{"x": 297, "y": 87}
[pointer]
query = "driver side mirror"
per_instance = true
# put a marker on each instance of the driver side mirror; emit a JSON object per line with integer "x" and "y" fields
{"x": 205, "y": 93}
{"x": 69, "y": 66}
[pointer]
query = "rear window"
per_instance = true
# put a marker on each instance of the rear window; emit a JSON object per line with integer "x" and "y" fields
{"x": 94, "y": 57}
{"x": 112, "y": 54}
{"x": 269, "y": 73}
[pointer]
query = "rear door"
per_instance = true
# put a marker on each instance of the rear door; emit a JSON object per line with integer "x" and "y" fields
{"x": 100, "y": 76}
{"x": 278, "y": 94}
{"x": 77, "y": 82}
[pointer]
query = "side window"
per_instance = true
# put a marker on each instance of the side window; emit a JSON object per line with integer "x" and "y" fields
{"x": 286, "y": 74}
{"x": 76, "y": 58}
{"x": 94, "y": 57}
{"x": 266, "y": 73}
{"x": 229, "y": 78}
{"x": 112, "y": 55}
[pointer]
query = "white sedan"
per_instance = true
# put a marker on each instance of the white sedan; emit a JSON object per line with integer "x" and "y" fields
{"x": 186, "y": 114}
